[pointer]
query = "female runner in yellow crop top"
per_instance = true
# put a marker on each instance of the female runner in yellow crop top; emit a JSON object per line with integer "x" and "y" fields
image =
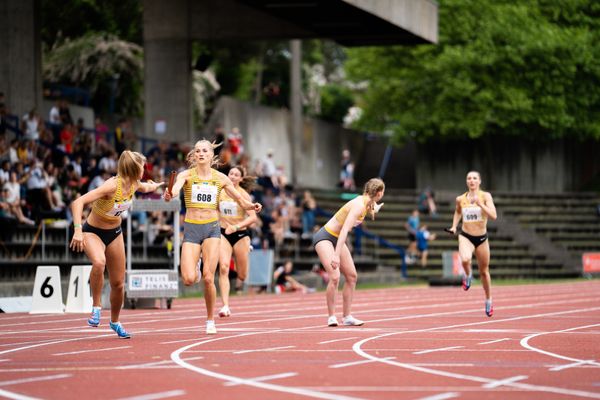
{"x": 235, "y": 237}
{"x": 101, "y": 237}
{"x": 475, "y": 207}
{"x": 330, "y": 245}
{"x": 202, "y": 185}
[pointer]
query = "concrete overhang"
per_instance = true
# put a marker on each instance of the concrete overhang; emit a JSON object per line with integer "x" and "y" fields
{"x": 348, "y": 22}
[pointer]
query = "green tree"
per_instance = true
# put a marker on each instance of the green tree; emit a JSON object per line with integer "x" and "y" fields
{"x": 524, "y": 68}
{"x": 97, "y": 62}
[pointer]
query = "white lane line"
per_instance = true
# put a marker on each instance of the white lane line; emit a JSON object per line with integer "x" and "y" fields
{"x": 440, "y": 349}
{"x": 441, "y": 396}
{"x": 259, "y": 350}
{"x": 34, "y": 379}
{"x": 16, "y": 396}
{"x": 91, "y": 351}
{"x": 503, "y": 382}
{"x": 5, "y": 360}
{"x": 495, "y": 341}
{"x": 175, "y": 356}
{"x": 525, "y": 343}
{"x": 350, "y": 364}
{"x": 156, "y": 396}
{"x": 337, "y": 340}
{"x": 575, "y": 364}
{"x": 157, "y": 363}
{"x": 525, "y": 386}
{"x": 265, "y": 378}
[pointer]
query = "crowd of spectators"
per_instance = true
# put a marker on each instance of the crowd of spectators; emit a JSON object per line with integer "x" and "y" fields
{"x": 48, "y": 163}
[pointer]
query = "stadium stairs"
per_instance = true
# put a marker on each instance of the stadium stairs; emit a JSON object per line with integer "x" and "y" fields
{"x": 535, "y": 235}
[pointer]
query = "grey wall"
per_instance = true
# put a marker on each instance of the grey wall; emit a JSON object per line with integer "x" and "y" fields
{"x": 321, "y": 145}
{"x": 509, "y": 164}
{"x": 20, "y": 55}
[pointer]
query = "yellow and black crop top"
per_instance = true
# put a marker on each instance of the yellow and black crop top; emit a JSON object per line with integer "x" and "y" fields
{"x": 342, "y": 213}
{"x": 201, "y": 193}
{"x": 471, "y": 212}
{"x": 112, "y": 208}
{"x": 229, "y": 208}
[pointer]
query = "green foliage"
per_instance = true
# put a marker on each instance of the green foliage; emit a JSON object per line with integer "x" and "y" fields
{"x": 96, "y": 62}
{"x": 520, "y": 68}
{"x": 76, "y": 18}
{"x": 335, "y": 102}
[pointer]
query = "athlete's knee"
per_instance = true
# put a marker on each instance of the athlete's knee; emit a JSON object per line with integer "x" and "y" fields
{"x": 242, "y": 275}
{"x": 224, "y": 269}
{"x": 351, "y": 278}
{"x": 334, "y": 280}
{"x": 208, "y": 280}
{"x": 98, "y": 264}
{"x": 117, "y": 285}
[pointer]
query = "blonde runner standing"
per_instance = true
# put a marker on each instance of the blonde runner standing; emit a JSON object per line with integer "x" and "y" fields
{"x": 474, "y": 208}
{"x": 330, "y": 245}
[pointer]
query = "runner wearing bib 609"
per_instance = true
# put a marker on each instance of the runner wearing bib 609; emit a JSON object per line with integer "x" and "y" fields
{"x": 101, "y": 237}
{"x": 474, "y": 208}
{"x": 202, "y": 186}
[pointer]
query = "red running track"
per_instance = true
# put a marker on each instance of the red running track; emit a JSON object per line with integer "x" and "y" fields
{"x": 417, "y": 343}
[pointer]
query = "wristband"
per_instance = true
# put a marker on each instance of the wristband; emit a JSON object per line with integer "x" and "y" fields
{"x": 237, "y": 228}
{"x": 76, "y": 226}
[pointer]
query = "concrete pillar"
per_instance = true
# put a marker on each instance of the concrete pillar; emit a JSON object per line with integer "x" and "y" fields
{"x": 20, "y": 55}
{"x": 168, "y": 73}
{"x": 296, "y": 107}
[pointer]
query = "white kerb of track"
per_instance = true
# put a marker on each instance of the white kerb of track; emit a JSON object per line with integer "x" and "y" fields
{"x": 47, "y": 292}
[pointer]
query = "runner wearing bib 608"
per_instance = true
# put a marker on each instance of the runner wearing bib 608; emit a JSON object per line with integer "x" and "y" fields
{"x": 202, "y": 186}
{"x": 101, "y": 237}
{"x": 474, "y": 208}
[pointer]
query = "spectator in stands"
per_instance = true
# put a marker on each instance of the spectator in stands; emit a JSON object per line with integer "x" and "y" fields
{"x": 412, "y": 226}
{"x": 284, "y": 282}
{"x": 423, "y": 239}
{"x": 54, "y": 115}
{"x": 347, "y": 171}
{"x": 101, "y": 237}
{"x": 426, "y": 202}
{"x": 38, "y": 191}
{"x": 235, "y": 236}
{"x": 12, "y": 151}
{"x": 474, "y": 207}
{"x": 12, "y": 197}
{"x": 330, "y": 245}
{"x": 65, "y": 112}
{"x": 266, "y": 170}
{"x": 202, "y": 185}
{"x": 67, "y": 138}
{"x": 31, "y": 125}
{"x": 235, "y": 142}
{"x": 309, "y": 206}
{"x": 109, "y": 162}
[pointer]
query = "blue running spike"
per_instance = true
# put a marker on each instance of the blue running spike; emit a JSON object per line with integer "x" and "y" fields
{"x": 466, "y": 282}
{"x": 118, "y": 328}
{"x": 94, "y": 319}
{"x": 489, "y": 308}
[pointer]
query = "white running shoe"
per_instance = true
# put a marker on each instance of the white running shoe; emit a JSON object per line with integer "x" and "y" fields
{"x": 332, "y": 321}
{"x": 349, "y": 320}
{"x": 211, "y": 329}
{"x": 224, "y": 312}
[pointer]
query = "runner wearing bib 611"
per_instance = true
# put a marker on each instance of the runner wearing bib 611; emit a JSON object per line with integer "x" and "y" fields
{"x": 475, "y": 207}
{"x": 201, "y": 236}
{"x": 101, "y": 237}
